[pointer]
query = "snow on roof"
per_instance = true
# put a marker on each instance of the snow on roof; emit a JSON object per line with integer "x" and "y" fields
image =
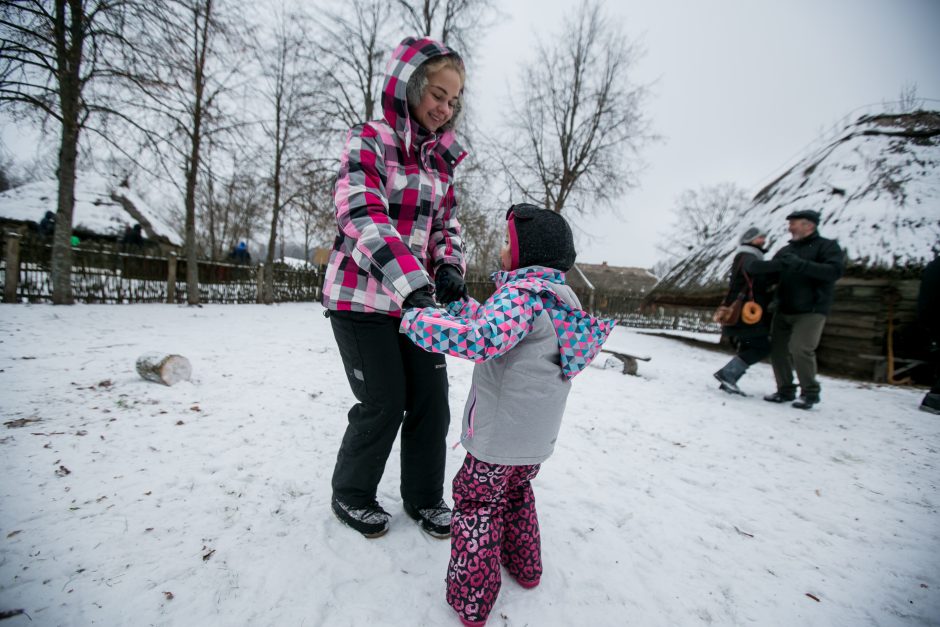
{"x": 876, "y": 185}
{"x": 98, "y": 207}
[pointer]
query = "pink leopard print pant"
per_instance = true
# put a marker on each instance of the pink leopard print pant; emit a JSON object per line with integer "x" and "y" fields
{"x": 494, "y": 522}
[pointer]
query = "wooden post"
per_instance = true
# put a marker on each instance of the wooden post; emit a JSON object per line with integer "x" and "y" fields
{"x": 13, "y": 267}
{"x": 590, "y": 287}
{"x": 171, "y": 278}
{"x": 260, "y": 288}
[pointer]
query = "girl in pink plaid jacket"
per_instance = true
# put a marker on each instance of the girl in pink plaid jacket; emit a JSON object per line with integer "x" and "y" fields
{"x": 397, "y": 243}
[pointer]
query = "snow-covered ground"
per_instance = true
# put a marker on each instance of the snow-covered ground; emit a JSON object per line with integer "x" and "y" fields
{"x": 667, "y": 503}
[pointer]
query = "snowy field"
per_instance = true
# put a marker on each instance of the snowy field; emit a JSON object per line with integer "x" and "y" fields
{"x": 125, "y": 502}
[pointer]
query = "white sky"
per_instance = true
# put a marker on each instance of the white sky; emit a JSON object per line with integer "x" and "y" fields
{"x": 742, "y": 88}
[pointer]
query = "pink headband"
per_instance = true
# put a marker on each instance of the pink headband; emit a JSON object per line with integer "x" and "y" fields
{"x": 513, "y": 242}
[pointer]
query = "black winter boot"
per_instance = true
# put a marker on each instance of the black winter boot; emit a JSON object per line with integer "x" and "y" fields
{"x": 780, "y": 397}
{"x": 370, "y": 520}
{"x": 806, "y": 401}
{"x": 434, "y": 520}
{"x": 729, "y": 375}
{"x": 931, "y": 403}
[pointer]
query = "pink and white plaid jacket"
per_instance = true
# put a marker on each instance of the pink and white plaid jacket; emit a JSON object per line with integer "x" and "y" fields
{"x": 394, "y": 198}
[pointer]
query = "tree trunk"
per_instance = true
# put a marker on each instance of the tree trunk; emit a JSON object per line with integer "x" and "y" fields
{"x": 165, "y": 369}
{"x": 13, "y": 267}
{"x": 192, "y": 260}
{"x": 171, "y": 278}
{"x": 272, "y": 242}
{"x": 192, "y": 169}
{"x": 69, "y": 41}
{"x": 192, "y": 173}
{"x": 276, "y": 212}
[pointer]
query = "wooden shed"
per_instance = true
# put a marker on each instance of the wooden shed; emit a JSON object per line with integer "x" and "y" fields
{"x": 616, "y": 289}
{"x": 876, "y": 183}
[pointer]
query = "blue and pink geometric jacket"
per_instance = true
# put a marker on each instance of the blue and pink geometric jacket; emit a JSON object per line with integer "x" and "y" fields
{"x": 529, "y": 339}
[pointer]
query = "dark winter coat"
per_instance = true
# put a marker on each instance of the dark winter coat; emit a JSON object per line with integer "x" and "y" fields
{"x": 928, "y": 300}
{"x": 805, "y": 272}
{"x": 751, "y": 286}
{"x": 47, "y": 224}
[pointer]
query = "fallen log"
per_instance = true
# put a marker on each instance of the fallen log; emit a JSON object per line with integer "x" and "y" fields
{"x": 165, "y": 369}
{"x": 630, "y": 364}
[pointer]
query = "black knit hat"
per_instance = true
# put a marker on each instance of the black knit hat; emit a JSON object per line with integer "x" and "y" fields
{"x": 539, "y": 237}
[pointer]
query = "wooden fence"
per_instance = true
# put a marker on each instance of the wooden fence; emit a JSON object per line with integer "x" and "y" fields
{"x": 104, "y": 272}
{"x": 626, "y": 308}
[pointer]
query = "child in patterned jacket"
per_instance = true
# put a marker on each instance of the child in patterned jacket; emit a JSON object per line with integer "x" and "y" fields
{"x": 529, "y": 339}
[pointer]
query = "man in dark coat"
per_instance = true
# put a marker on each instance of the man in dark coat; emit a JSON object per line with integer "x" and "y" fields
{"x": 928, "y": 315}
{"x": 805, "y": 272}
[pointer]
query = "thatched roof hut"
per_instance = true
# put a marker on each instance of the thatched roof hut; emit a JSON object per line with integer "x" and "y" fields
{"x": 877, "y": 185}
{"x": 104, "y": 210}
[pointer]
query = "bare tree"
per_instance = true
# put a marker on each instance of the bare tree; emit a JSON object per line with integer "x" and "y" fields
{"x": 580, "y": 123}
{"x": 232, "y": 207}
{"x": 183, "y": 65}
{"x": 244, "y": 202}
{"x": 231, "y": 203}
{"x": 52, "y": 54}
{"x": 313, "y": 208}
{"x": 356, "y": 39}
{"x": 699, "y": 214}
{"x": 287, "y": 90}
{"x": 457, "y": 23}
{"x": 481, "y": 214}
{"x": 908, "y": 100}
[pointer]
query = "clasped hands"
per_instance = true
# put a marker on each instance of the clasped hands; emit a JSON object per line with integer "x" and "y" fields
{"x": 448, "y": 285}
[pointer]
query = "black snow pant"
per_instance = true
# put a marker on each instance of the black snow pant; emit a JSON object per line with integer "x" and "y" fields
{"x": 396, "y": 385}
{"x": 752, "y": 349}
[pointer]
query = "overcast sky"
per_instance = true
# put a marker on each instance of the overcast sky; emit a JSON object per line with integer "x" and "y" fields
{"x": 742, "y": 88}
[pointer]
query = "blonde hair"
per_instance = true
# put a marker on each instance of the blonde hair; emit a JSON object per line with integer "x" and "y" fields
{"x": 452, "y": 61}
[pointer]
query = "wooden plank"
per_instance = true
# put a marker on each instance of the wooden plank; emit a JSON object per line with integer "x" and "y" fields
{"x": 855, "y": 322}
{"x": 851, "y": 332}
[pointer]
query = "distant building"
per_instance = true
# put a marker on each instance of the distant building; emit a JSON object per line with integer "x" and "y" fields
{"x": 616, "y": 288}
{"x": 104, "y": 212}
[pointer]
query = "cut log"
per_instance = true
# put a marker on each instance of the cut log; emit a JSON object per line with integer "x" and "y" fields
{"x": 629, "y": 361}
{"x": 161, "y": 368}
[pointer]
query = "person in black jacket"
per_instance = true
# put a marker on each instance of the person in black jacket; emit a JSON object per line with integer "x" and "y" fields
{"x": 805, "y": 272}
{"x": 47, "y": 224}
{"x": 928, "y": 315}
{"x": 240, "y": 254}
{"x": 752, "y": 341}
